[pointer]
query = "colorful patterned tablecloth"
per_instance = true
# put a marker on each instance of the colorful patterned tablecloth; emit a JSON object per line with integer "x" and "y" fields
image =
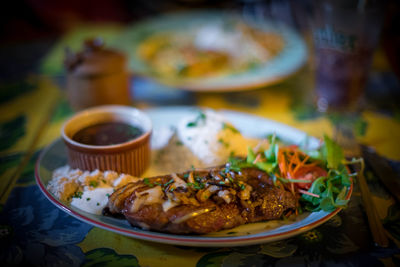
{"x": 35, "y": 232}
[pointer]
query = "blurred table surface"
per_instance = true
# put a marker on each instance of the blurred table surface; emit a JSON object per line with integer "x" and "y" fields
{"x": 35, "y": 232}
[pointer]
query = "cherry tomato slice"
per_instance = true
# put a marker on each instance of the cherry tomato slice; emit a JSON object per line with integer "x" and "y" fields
{"x": 309, "y": 173}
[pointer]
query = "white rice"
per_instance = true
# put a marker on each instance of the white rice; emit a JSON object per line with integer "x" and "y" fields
{"x": 201, "y": 140}
{"x": 212, "y": 139}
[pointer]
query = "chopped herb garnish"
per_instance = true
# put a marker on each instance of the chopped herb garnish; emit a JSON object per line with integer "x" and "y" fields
{"x": 182, "y": 68}
{"x": 94, "y": 183}
{"x": 178, "y": 143}
{"x": 222, "y": 142}
{"x": 200, "y": 118}
{"x": 236, "y": 164}
{"x": 229, "y": 127}
{"x": 169, "y": 182}
{"x": 97, "y": 204}
{"x": 272, "y": 138}
{"x": 146, "y": 181}
{"x": 87, "y": 199}
{"x": 196, "y": 185}
{"x": 77, "y": 194}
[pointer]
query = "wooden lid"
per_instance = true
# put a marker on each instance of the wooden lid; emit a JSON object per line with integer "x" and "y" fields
{"x": 94, "y": 59}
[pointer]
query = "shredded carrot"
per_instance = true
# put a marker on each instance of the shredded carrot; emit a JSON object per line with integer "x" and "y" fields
{"x": 290, "y": 161}
{"x": 281, "y": 162}
{"x": 302, "y": 163}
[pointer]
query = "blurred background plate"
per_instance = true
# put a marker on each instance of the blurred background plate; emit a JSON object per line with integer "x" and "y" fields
{"x": 286, "y": 61}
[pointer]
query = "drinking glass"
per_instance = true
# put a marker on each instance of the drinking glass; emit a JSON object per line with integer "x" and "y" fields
{"x": 345, "y": 34}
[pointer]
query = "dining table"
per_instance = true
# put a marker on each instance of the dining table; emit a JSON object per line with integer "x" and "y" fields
{"x": 35, "y": 232}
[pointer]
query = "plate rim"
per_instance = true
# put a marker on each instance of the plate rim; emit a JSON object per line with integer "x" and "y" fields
{"x": 184, "y": 240}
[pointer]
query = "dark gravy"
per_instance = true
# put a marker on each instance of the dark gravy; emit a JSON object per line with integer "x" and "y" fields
{"x": 107, "y": 133}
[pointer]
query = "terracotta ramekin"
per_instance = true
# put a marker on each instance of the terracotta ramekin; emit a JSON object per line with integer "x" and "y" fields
{"x": 132, "y": 157}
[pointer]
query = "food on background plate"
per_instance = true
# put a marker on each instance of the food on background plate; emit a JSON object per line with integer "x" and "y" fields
{"x": 209, "y": 50}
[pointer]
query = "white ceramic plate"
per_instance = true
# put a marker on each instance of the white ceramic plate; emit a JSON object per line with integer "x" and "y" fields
{"x": 54, "y": 156}
{"x": 287, "y": 61}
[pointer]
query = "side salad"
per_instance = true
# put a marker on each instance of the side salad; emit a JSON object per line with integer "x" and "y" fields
{"x": 320, "y": 177}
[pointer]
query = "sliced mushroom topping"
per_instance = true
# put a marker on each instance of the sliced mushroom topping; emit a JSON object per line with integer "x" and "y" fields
{"x": 205, "y": 194}
{"x": 147, "y": 197}
{"x": 184, "y": 199}
{"x": 191, "y": 178}
{"x": 168, "y": 204}
{"x": 215, "y": 174}
{"x": 225, "y": 195}
{"x": 178, "y": 182}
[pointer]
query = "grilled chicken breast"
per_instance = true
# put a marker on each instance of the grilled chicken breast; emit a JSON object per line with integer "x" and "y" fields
{"x": 201, "y": 201}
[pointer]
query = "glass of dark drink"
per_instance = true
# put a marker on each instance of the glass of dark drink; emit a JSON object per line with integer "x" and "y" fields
{"x": 345, "y": 34}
